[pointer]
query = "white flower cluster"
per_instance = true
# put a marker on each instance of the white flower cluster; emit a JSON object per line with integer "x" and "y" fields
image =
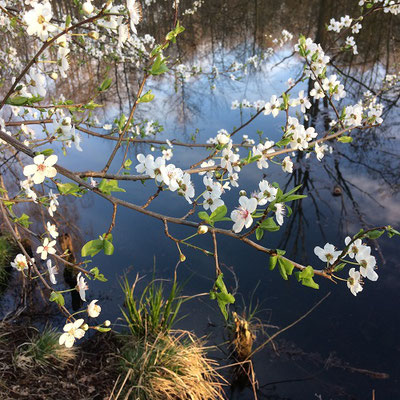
{"x": 358, "y": 251}
{"x": 299, "y": 135}
{"x": 316, "y": 58}
{"x": 390, "y": 6}
{"x": 285, "y": 37}
{"x": 337, "y": 26}
{"x": 243, "y": 215}
{"x": 195, "y": 6}
{"x": 167, "y": 174}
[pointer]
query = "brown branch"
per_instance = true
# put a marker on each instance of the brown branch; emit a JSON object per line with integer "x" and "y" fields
{"x": 70, "y": 175}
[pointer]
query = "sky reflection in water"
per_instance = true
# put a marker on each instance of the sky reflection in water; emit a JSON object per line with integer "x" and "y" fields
{"x": 361, "y": 331}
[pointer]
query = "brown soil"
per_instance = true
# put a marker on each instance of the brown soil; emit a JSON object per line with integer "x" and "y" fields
{"x": 91, "y": 375}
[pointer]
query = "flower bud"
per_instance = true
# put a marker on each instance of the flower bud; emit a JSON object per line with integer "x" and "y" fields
{"x": 182, "y": 257}
{"x": 54, "y": 76}
{"x": 94, "y": 35}
{"x": 85, "y": 327}
{"x": 107, "y": 322}
{"x": 202, "y": 229}
{"x": 87, "y": 7}
{"x": 242, "y": 193}
{"x": 223, "y": 139}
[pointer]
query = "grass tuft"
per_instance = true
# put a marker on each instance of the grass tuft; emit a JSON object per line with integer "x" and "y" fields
{"x": 42, "y": 349}
{"x": 169, "y": 367}
{"x": 151, "y": 314}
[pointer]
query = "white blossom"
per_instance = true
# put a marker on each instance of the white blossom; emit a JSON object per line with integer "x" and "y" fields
{"x": 328, "y": 253}
{"x": 52, "y": 270}
{"x": 42, "y": 168}
{"x": 46, "y": 248}
{"x": 81, "y": 286}
{"x": 353, "y": 282}
{"x": 72, "y": 331}
{"x": 242, "y": 215}
{"x": 93, "y": 309}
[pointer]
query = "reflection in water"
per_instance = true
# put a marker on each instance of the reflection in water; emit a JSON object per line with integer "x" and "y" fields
{"x": 342, "y": 190}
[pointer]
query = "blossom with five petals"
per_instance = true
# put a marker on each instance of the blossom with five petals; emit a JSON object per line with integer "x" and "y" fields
{"x": 242, "y": 215}
{"x": 42, "y": 168}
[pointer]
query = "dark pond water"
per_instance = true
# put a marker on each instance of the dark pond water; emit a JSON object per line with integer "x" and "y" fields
{"x": 325, "y": 353}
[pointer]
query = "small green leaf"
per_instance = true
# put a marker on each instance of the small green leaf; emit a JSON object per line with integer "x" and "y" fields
{"x": 57, "y": 298}
{"x": 69, "y": 188}
{"x": 108, "y": 248}
{"x": 272, "y": 262}
{"x": 159, "y": 67}
{"x": 23, "y": 220}
{"x": 269, "y": 225}
{"x": 46, "y": 152}
{"x": 259, "y": 233}
{"x": 285, "y": 267}
{"x": 375, "y": 234}
{"x": 107, "y": 186}
{"x": 68, "y": 21}
{"x": 391, "y": 231}
{"x": 92, "y": 247}
{"x": 310, "y": 283}
{"x": 18, "y": 100}
{"x": 223, "y": 297}
{"x": 345, "y": 139}
{"x": 101, "y": 329}
{"x": 339, "y": 267}
{"x": 146, "y": 98}
{"x": 97, "y": 275}
{"x": 105, "y": 85}
{"x": 219, "y": 213}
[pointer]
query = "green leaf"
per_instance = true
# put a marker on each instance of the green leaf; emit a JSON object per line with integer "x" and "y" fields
{"x": 107, "y": 186}
{"x": 283, "y": 142}
{"x": 105, "y": 85}
{"x": 92, "y": 247}
{"x": 45, "y": 152}
{"x": 223, "y": 297}
{"x": 146, "y": 98}
{"x": 219, "y": 213}
{"x": 269, "y": 225}
{"x": 97, "y": 275}
{"x": 101, "y": 329}
{"x": 69, "y": 188}
{"x": 18, "y": 100}
{"x": 108, "y": 248}
{"x": 310, "y": 283}
{"x": 391, "y": 231}
{"x": 68, "y": 21}
{"x": 57, "y": 298}
{"x": 259, "y": 233}
{"x": 159, "y": 67}
{"x": 23, "y": 220}
{"x": 375, "y": 234}
{"x": 345, "y": 139}
{"x": 204, "y": 216}
{"x": 127, "y": 164}
{"x": 272, "y": 262}
{"x": 339, "y": 267}
{"x": 280, "y": 252}
{"x": 305, "y": 276}
{"x": 292, "y": 198}
{"x": 285, "y": 267}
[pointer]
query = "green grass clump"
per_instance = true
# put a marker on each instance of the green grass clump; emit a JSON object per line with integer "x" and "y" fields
{"x": 42, "y": 349}
{"x": 151, "y": 314}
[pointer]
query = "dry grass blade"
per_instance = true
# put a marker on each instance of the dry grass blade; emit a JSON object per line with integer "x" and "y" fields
{"x": 170, "y": 367}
